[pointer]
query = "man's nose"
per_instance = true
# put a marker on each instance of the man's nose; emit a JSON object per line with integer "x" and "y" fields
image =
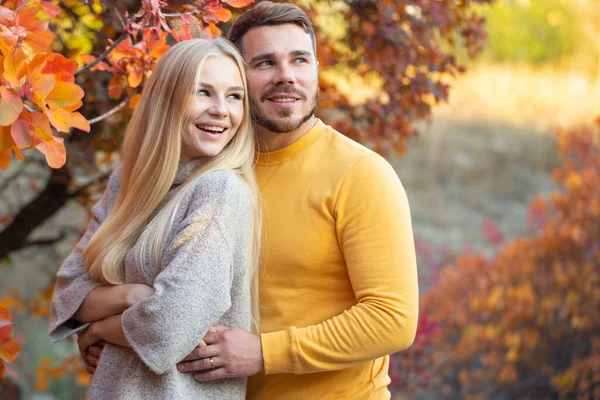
{"x": 284, "y": 75}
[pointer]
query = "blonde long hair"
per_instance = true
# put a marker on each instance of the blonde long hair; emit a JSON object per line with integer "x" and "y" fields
{"x": 151, "y": 155}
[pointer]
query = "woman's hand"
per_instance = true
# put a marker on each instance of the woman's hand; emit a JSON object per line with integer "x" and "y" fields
{"x": 86, "y": 340}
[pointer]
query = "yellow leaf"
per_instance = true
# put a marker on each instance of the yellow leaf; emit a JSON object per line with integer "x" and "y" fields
{"x": 135, "y": 78}
{"x": 63, "y": 120}
{"x": 64, "y": 94}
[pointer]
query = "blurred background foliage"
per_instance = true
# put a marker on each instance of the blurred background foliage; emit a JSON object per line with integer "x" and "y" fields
{"x": 479, "y": 175}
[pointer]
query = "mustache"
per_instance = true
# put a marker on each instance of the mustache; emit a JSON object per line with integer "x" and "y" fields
{"x": 282, "y": 89}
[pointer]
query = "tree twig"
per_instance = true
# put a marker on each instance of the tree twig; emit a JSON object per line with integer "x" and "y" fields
{"x": 80, "y": 190}
{"x": 179, "y": 14}
{"x": 103, "y": 55}
{"x": 112, "y": 111}
{"x": 45, "y": 241}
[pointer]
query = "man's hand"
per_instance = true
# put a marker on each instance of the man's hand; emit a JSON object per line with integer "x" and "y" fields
{"x": 234, "y": 353}
{"x": 90, "y": 353}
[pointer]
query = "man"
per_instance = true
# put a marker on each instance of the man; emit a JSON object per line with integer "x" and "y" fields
{"x": 339, "y": 288}
{"x": 339, "y": 285}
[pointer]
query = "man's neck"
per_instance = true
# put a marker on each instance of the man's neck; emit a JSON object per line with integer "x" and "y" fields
{"x": 270, "y": 141}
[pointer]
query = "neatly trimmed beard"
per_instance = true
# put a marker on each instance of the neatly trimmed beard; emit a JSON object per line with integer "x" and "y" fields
{"x": 263, "y": 121}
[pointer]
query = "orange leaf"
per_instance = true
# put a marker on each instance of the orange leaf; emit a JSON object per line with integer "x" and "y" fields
{"x": 64, "y": 94}
{"x": 37, "y": 63}
{"x": 42, "y": 126}
{"x": 211, "y": 31}
{"x": 83, "y": 378}
{"x": 61, "y": 67}
{"x": 39, "y": 37}
{"x": 62, "y": 120}
{"x": 6, "y": 331}
{"x": 87, "y": 58}
{"x": 134, "y": 100}
{"x": 135, "y": 78}
{"x": 55, "y": 152}
{"x": 42, "y": 85}
{"x": 15, "y": 66}
{"x": 5, "y": 317}
{"x": 73, "y": 107}
{"x": 218, "y": 15}
{"x": 6, "y": 140}
{"x": 9, "y": 350}
{"x": 51, "y": 9}
{"x": 18, "y": 153}
{"x": 238, "y": 3}
{"x": 40, "y": 42}
{"x": 10, "y": 107}
{"x": 115, "y": 87}
{"x": 21, "y": 134}
{"x": 5, "y": 161}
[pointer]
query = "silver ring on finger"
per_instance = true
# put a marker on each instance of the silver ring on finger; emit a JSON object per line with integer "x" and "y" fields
{"x": 212, "y": 363}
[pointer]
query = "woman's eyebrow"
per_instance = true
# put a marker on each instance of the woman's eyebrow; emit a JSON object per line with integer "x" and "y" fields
{"x": 209, "y": 86}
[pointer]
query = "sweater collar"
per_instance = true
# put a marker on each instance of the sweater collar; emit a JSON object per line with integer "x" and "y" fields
{"x": 185, "y": 169}
{"x": 292, "y": 151}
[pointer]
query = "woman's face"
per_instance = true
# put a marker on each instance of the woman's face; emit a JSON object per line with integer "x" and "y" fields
{"x": 216, "y": 109}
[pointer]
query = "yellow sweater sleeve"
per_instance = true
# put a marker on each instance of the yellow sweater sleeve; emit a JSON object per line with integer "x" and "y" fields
{"x": 374, "y": 231}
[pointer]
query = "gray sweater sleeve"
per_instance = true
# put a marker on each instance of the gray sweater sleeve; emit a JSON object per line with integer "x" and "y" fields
{"x": 73, "y": 283}
{"x": 193, "y": 289}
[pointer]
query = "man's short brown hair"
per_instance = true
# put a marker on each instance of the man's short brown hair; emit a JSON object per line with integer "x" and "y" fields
{"x": 267, "y": 13}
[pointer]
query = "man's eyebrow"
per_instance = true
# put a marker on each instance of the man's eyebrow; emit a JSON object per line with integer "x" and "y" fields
{"x": 270, "y": 56}
{"x": 209, "y": 86}
{"x": 260, "y": 57}
{"x": 304, "y": 53}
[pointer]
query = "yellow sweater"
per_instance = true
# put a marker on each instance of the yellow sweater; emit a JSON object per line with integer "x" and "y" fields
{"x": 339, "y": 288}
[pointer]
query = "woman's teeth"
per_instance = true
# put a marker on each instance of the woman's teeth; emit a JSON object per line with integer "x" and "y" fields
{"x": 211, "y": 128}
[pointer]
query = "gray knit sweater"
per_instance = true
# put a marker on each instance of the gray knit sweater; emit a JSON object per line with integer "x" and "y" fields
{"x": 199, "y": 284}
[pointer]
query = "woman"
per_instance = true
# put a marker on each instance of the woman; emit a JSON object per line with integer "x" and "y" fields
{"x": 173, "y": 245}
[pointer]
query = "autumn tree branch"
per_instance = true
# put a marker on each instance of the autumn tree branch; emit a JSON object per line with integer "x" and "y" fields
{"x": 102, "y": 56}
{"x": 48, "y": 202}
{"x": 111, "y": 111}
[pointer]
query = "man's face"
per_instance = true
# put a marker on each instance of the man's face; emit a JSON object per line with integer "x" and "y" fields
{"x": 282, "y": 76}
